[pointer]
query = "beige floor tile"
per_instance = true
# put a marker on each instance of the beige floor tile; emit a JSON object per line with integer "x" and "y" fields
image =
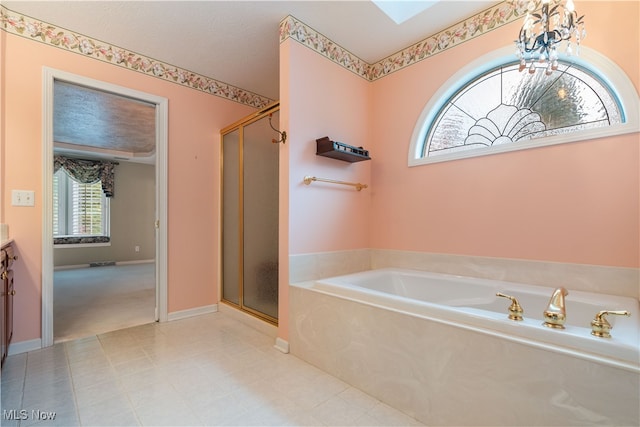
{"x": 132, "y": 366}
{"x": 357, "y": 398}
{"x": 11, "y": 393}
{"x": 337, "y": 411}
{"x": 126, "y": 355}
{"x": 163, "y": 414}
{"x": 92, "y": 394}
{"x": 48, "y": 397}
{"x": 386, "y": 415}
{"x": 87, "y": 377}
{"x": 141, "y": 379}
{"x": 218, "y": 411}
{"x": 207, "y": 370}
{"x": 115, "y": 411}
{"x": 62, "y": 418}
{"x": 161, "y": 394}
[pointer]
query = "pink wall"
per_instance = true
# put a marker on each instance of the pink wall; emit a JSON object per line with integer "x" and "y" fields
{"x": 195, "y": 119}
{"x": 319, "y": 98}
{"x": 283, "y": 190}
{"x": 569, "y": 203}
{"x": 575, "y": 203}
{"x": 324, "y": 99}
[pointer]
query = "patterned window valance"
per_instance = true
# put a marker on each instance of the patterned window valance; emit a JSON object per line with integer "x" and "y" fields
{"x": 88, "y": 171}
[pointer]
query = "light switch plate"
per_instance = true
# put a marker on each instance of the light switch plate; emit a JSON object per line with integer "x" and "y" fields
{"x": 22, "y": 198}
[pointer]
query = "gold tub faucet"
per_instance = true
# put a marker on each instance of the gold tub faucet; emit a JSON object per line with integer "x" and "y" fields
{"x": 515, "y": 309}
{"x": 555, "y": 314}
{"x": 600, "y": 327}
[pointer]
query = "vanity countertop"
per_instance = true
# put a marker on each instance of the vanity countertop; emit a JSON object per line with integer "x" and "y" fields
{"x": 6, "y": 243}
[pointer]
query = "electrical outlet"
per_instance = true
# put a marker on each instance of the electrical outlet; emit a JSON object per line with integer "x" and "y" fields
{"x": 137, "y": 248}
{"x": 22, "y": 198}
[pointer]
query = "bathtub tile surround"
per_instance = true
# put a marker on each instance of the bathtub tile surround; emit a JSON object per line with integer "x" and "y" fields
{"x": 472, "y": 304}
{"x": 327, "y": 264}
{"x": 588, "y": 278}
{"x": 428, "y": 369}
{"x": 580, "y": 277}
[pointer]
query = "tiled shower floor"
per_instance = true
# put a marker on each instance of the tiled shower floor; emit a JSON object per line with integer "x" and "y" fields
{"x": 206, "y": 370}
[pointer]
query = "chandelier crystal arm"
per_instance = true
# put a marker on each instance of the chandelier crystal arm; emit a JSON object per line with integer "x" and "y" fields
{"x": 547, "y": 24}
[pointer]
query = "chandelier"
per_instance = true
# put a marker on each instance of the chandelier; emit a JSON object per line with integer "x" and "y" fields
{"x": 546, "y": 25}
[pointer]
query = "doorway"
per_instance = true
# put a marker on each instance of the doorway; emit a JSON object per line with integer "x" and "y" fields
{"x": 250, "y": 214}
{"x": 157, "y": 222}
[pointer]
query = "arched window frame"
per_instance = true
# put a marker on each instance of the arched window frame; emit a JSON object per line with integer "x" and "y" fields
{"x": 605, "y": 69}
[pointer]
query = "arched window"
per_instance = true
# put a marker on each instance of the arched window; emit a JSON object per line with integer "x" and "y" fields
{"x": 493, "y": 107}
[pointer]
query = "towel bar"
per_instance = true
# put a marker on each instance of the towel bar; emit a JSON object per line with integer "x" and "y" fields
{"x": 309, "y": 179}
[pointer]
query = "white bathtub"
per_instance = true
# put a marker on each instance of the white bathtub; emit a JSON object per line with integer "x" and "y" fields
{"x": 425, "y": 343}
{"x": 472, "y": 303}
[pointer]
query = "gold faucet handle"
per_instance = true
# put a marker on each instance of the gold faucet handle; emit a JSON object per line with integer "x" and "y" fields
{"x": 515, "y": 309}
{"x": 600, "y": 327}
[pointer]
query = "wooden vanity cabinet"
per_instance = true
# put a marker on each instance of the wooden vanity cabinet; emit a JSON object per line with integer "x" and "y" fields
{"x": 6, "y": 305}
{"x": 3, "y": 309}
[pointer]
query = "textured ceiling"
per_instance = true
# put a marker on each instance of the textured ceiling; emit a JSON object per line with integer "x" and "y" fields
{"x": 84, "y": 117}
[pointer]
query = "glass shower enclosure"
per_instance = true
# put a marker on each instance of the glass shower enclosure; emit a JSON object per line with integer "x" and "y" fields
{"x": 249, "y": 188}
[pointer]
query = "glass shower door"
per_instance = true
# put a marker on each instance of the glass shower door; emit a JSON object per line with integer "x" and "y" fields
{"x": 260, "y": 287}
{"x": 231, "y": 217}
{"x": 250, "y": 216}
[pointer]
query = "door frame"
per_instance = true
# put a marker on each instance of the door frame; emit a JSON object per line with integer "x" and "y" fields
{"x": 49, "y": 76}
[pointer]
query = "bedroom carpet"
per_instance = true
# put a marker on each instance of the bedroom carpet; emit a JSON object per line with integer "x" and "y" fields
{"x": 96, "y": 300}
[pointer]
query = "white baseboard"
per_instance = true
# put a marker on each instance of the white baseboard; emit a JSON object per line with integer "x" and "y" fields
{"x": 75, "y": 266}
{"x": 24, "y": 346}
{"x": 183, "y": 314}
{"x": 70, "y": 267}
{"x": 282, "y": 345}
{"x": 138, "y": 261}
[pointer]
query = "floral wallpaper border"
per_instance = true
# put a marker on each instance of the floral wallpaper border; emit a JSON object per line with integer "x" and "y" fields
{"x": 43, "y": 32}
{"x": 290, "y": 27}
{"x": 477, "y": 25}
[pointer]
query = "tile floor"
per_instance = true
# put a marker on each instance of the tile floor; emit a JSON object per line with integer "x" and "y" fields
{"x": 206, "y": 370}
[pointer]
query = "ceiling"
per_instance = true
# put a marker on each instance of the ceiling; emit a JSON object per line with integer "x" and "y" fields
{"x": 236, "y": 42}
{"x": 86, "y": 119}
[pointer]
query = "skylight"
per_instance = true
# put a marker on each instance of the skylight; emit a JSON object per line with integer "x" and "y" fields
{"x": 400, "y": 11}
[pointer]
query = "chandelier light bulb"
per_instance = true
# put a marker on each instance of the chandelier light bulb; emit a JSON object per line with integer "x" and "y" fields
{"x": 570, "y": 6}
{"x": 562, "y": 93}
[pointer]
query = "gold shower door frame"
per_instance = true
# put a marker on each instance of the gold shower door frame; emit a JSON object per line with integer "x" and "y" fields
{"x": 239, "y": 126}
